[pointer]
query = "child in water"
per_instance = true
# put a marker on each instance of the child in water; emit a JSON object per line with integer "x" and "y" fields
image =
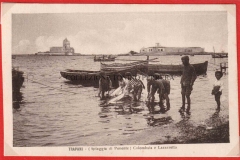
{"x": 217, "y": 88}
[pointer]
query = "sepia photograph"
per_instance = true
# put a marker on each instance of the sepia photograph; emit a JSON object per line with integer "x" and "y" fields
{"x": 120, "y": 79}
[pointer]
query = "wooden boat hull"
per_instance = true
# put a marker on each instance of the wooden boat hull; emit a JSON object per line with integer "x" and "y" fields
{"x": 219, "y": 55}
{"x": 91, "y": 78}
{"x": 200, "y": 68}
{"x": 144, "y": 67}
{"x": 104, "y": 60}
{"x": 128, "y": 66}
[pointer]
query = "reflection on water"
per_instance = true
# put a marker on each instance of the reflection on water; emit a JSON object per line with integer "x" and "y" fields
{"x": 71, "y": 114}
{"x": 158, "y": 121}
{"x": 17, "y": 99}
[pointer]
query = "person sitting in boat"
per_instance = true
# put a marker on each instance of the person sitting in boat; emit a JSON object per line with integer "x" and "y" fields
{"x": 105, "y": 84}
{"x": 134, "y": 86}
{"x": 154, "y": 85}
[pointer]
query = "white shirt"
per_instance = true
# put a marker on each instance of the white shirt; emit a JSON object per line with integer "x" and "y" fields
{"x": 218, "y": 83}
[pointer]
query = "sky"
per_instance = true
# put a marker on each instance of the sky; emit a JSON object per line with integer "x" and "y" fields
{"x": 115, "y": 33}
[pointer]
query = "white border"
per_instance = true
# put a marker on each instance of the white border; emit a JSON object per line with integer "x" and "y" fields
{"x": 191, "y": 150}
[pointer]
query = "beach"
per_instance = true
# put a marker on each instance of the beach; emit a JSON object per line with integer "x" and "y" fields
{"x": 52, "y": 111}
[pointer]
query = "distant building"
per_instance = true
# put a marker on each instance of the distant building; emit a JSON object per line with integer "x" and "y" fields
{"x": 64, "y": 50}
{"x": 160, "y": 50}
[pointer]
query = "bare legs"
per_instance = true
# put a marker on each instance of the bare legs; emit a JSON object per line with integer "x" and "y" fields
{"x": 184, "y": 96}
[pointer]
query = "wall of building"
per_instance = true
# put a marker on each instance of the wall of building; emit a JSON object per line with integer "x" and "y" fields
{"x": 65, "y": 49}
{"x": 56, "y": 49}
{"x": 184, "y": 49}
{"x": 172, "y": 49}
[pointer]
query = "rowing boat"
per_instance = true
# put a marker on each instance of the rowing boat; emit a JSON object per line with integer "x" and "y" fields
{"x": 91, "y": 78}
{"x": 145, "y": 67}
{"x": 200, "y": 68}
{"x": 104, "y": 59}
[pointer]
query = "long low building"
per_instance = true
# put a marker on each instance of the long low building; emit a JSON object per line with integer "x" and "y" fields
{"x": 160, "y": 50}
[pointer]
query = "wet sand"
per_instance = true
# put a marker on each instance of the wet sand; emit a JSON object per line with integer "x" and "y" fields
{"x": 214, "y": 130}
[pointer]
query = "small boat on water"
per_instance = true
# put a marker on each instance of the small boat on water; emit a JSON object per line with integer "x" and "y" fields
{"x": 200, "y": 68}
{"x": 104, "y": 59}
{"x": 17, "y": 80}
{"x": 220, "y": 55}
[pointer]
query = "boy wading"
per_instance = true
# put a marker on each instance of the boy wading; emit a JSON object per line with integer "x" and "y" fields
{"x": 217, "y": 88}
{"x": 187, "y": 81}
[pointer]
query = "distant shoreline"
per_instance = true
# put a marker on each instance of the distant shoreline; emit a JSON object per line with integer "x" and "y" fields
{"x": 138, "y": 54}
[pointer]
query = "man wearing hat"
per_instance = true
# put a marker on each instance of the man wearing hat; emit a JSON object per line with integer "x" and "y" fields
{"x": 187, "y": 80}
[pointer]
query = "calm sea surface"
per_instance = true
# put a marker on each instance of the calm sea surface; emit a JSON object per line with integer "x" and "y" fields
{"x": 56, "y": 113}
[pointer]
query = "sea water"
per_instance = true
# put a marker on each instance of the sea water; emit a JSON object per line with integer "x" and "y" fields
{"x": 54, "y": 112}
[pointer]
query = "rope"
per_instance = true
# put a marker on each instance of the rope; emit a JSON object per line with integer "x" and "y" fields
{"x": 50, "y": 86}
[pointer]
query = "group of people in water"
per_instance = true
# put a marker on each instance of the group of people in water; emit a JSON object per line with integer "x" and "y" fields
{"x": 131, "y": 86}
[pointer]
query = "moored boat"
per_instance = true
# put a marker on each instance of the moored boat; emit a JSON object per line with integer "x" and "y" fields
{"x": 91, "y": 78}
{"x": 104, "y": 59}
{"x": 143, "y": 66}
{"x": 220, "y": 55}
{"x": 200, "y": 68}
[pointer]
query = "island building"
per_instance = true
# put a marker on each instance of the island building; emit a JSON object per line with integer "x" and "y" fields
{"x": 161, "y": 50}
{"x": 64, "y": 50}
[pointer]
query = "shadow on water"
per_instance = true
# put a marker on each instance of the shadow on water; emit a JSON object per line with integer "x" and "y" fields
{"x": 184, "y": 115}
{"x": 154, "y": 108}
{"x": 158, "y": 121}
{"x": 157, "y": 115}
{"x": 17, "y": 99}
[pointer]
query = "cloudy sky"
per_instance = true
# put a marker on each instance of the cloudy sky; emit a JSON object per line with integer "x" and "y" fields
{"x": 114, "y": 33}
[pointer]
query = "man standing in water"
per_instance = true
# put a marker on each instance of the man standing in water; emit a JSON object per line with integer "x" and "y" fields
{"x": 187, "y": 81}
{"x": 105, "y": 85}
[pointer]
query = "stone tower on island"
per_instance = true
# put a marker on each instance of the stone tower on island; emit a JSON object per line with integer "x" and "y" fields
{"x": 64, "y": 50}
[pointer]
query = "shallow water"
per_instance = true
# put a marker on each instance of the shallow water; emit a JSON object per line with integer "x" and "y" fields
{"x": 53, "y": 112}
